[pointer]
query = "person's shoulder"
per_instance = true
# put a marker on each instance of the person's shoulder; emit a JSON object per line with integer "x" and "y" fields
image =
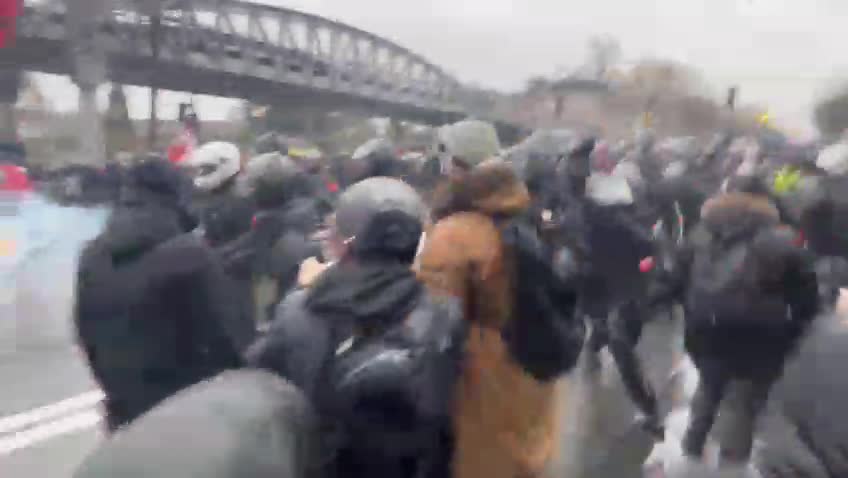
{"x": 291, "y": 315}
{"x": 294, "y": 302}
{"x": 186, "y": 243}
{"x": 92, "y": 248}
{"x": 463, "y": 227}
{"x": 436, "y": 317}
{"x": 458, "y": 239}
{"x": 294, "y": 326}
{"x": 184, "y": 254}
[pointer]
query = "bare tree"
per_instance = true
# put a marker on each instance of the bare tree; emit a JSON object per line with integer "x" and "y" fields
{"x": 665, "y": 77}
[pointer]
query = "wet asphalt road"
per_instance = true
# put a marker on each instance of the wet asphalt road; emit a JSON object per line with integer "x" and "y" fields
{"x": 600, "y": 438}
{"x": 48, "y": 403}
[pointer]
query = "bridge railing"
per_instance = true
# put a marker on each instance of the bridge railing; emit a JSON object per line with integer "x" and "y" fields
{"x": 271, "y": 43}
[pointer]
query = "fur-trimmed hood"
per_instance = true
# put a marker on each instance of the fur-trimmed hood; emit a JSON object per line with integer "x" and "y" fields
{"x": 733, "y": 214}
{"x": 491, "y": 188}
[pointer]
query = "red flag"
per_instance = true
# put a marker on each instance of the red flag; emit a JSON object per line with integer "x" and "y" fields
{"x": 9, "y": 10}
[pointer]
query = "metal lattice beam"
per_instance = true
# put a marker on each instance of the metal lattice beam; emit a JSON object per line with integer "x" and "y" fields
{"x": 232, "y": 48}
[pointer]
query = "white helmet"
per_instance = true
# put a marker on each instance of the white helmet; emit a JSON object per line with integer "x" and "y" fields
{"x": 217, "y": 161}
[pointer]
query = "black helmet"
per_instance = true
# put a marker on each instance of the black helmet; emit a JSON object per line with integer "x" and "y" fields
{"x": 270, "y": 143}
{"x": 360, "y": 203}
{"x": 272, "y": 179}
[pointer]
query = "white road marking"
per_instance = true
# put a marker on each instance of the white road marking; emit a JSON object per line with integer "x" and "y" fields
{"x": 70, "y": 424}
{"x": 19, "y": 421}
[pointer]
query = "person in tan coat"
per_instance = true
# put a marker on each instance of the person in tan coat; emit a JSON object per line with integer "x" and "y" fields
{"x": 505, "y": 421}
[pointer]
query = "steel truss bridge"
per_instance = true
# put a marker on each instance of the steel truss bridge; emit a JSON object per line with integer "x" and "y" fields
{"x": 234, "y": 49}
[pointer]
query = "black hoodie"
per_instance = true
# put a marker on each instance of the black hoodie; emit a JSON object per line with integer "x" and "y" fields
{"x": 153, "y": 313}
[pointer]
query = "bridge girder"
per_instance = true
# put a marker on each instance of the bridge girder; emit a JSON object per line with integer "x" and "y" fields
{"x": 244, "y": 50}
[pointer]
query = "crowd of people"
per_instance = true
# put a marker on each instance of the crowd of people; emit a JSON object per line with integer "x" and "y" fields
{"x": 428, "y": 309}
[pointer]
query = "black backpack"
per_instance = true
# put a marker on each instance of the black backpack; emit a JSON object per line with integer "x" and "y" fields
{"x": 395, "y": 384}
{"x": 740, "y": 281}
{"x": 544, "y": 336}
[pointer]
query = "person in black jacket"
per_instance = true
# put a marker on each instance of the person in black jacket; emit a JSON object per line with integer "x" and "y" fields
{"x": 608, "y": 244}
{"x": 224, "y": 212}
{"x": 374, "y": 351}
{"x": 265, "y": 261}
{"x": 749, "y": 294}
{"x": 153, "y": 314}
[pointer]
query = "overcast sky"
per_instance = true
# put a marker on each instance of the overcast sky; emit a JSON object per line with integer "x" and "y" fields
{"x": 782, "y": 53}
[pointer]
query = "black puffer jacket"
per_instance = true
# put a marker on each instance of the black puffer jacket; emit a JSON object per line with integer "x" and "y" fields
{"x": 153, "y": 311}
{"x": 751, "y": 292}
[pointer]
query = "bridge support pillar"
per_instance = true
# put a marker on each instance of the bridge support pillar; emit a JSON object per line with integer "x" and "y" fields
{"x": 9, "y": 84}
{"x": 92, "y": 140}
{"x": 90, "y": 71}
{"x": 89, "y": 60}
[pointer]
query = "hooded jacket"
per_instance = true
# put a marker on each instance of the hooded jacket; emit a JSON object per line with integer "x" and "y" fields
{"x": 153, "y": 313}
{"x": 505, "y": 421}
{"x": 308, "y": 344}
{"x": 751, "y": 291}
